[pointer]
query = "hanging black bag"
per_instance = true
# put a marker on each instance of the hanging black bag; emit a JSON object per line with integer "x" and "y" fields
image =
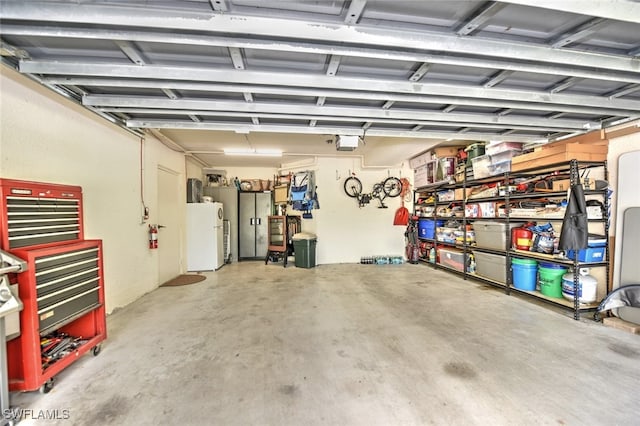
{"x": 575, "y": 228}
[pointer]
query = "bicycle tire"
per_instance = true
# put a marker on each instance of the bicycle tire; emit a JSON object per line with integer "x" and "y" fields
{"x": 392, "y": 187}
{"x": 352, "y": 187}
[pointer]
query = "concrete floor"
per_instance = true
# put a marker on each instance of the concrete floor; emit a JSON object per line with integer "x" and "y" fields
{"x": 347, "y": 345}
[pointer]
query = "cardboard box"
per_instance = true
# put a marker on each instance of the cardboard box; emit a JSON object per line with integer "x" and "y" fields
{"x": 459, "y": 194}
{"x": 447, "y": 195}
{"x": 564, "y": 184}
{"x": 420, "y": 160}
{"x": 446, "y": 151}
{"x": 420, "y": 177}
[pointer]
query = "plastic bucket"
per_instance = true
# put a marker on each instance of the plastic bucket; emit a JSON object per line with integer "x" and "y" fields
{"x": 525, "y": 272}
{"x": 550, "y": 279}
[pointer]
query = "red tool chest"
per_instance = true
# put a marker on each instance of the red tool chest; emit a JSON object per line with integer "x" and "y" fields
{"x": 62, "y": 291}
{"x": 63, "y": 288}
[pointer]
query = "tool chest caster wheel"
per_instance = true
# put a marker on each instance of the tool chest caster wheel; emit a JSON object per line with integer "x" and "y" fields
{"x": 47, "y": 386}
{"x": 96, "y": 350}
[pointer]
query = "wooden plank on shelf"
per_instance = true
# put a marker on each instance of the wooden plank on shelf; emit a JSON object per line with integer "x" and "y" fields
{"x": 596, "y": 137}
{"x": 620, "y": 324}
{"x": 534, "y": 159}
{"x": 547, "y": 150}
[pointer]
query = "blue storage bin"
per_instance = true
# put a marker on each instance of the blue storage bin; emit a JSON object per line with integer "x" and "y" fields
{"x": 594, "y": 253}
{"x": 427, "y": 228}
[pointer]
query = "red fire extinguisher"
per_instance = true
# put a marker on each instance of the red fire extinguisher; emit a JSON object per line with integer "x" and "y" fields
{"x": 153, "y": 237}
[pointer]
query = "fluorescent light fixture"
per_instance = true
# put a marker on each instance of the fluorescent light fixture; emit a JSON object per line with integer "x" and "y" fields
{"x": 253, "y": 152}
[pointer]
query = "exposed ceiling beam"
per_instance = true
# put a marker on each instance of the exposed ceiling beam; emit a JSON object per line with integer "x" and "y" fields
{"x": 236, "y": 58}
{"x": 294, "y": 108}
{"x": 298, "y": 80}
{"x": 630, "y": 88}
{"x": 334, "y": 64}
{"x": 398, "y": 54}
{"x": 316, "y": 118}
{"x": 478, "y": 17}
{"x": 219, "y": 5}
{"x": 372, "y": 36}
{"x": 564, "y": 85}
{"x": 170, "y": 94}
{"x": 497, "y": 78}
{"x": 620, "y": 10}
{"x": 356, "y": 7}
{"x": 131, "y": 51}
{"x": 578, "y": 33}
{"x": 328, "y": 130}
{"x": 323, "y": 93}
{"x": 8, "y": 50}
{"x": 420, "y": 72}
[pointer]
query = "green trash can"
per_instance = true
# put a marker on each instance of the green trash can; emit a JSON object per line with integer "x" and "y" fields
{"x": 304, "y": 247}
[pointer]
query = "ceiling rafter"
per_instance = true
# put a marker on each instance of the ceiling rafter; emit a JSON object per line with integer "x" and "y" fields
{"x": 478, "y": 17}
{"x": 578, "y": 33}
{"x": 564, "y": 84}
{"x": 332, "y": 130}
{"x": 398, "y": 53}
{"x": 299, "y": 80}
{"x": 356, "y": 7}
{"x": 321, "y": 94}
{"x": 310, "y": 117}
{"x": 131, "y": 51}
{"x": 293, "y": 108}
{"x": 497, "y": 78}
{"x": 619, "y": 10}
{"x": 312, "y": 31}
{"x": 219, "y": 5}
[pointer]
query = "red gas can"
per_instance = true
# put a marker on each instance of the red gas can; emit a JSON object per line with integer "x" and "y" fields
{"x": 521, "y": 238}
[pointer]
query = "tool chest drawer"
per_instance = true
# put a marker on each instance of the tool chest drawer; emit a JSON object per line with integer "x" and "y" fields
{"x": 38, "y": 215}
{"x": 66, "y": 286}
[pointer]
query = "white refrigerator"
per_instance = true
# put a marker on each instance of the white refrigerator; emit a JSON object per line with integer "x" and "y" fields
{"x": 205, "y": 250}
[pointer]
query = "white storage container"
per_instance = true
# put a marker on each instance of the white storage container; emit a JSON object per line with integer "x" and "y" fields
{"x": 492, "y": 266}
{"x": 498, "y": 147}
{"x": 491, "y": 234}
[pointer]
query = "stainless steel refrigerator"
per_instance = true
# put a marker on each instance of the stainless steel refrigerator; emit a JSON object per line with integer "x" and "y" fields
{"x": 205, "y": 250}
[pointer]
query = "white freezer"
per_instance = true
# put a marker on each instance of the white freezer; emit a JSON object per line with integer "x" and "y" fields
{"x": 205, "y": 249}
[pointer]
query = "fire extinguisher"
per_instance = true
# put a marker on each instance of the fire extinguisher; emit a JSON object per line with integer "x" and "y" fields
{"x": 153, "y": 237}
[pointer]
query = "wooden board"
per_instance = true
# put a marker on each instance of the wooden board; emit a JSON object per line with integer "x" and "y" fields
{"x": 535, "y": 159}
{"x": 621, "y": 324}
{"x": 572, "y": 147}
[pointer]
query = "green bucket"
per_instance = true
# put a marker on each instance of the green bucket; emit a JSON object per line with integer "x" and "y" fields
{"x": 550, "y": 279}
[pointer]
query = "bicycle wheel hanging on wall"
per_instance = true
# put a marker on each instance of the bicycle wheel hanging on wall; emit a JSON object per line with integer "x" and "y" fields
{"x": 353, "y": 187}
{"x": 392, "y": 186}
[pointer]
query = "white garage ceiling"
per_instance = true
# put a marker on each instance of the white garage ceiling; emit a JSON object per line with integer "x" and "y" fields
{"x": 214, "y": 74}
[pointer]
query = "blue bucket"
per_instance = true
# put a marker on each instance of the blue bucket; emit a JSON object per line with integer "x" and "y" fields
{"x": 525, "y": 274}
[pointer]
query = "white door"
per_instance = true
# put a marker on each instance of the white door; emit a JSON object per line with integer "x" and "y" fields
{"x": 169, "y": 208}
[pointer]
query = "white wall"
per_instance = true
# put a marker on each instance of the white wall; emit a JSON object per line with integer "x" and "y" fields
{"x": 345, "y": 231}
{"x": 45, "y": 137}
